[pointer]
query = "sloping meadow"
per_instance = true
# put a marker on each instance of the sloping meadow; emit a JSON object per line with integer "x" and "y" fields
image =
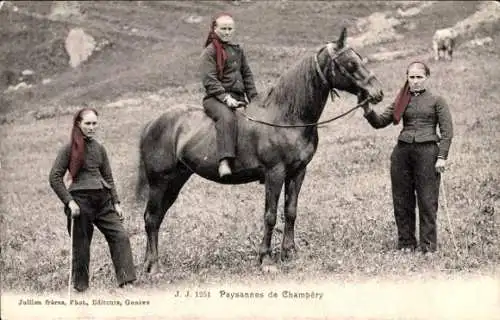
{"x": 345, "y": 226}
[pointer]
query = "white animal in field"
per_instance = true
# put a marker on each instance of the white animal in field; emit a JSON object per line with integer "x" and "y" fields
{"x": 443, "y": 43}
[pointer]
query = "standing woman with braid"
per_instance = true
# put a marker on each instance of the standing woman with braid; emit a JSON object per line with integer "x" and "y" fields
{"x": 228, "y": 82}
{"x": 91, "y": 199}
{"x": 419, "y": 157}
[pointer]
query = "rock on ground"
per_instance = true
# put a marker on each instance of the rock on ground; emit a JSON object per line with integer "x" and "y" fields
{"x": 376, "y": 28}
{"x": 79, "y": 46}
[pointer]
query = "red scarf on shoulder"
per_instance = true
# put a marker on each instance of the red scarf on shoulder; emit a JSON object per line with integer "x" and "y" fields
{"x": 77, "y": 143}
{"x": 401, "y": 102}
{"x": 403, "y": 97}
{"x": 221, "y": 55}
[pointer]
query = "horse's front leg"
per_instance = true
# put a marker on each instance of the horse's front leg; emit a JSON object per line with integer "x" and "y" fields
{"x": 274, "y": 182}
{"x": 293, "y": 183}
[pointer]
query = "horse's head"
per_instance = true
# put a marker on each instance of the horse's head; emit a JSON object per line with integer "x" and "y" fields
{"x": 346, "y": 70}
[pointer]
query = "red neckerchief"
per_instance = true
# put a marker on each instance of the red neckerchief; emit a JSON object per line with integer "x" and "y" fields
{"x": 401, "y": 102}
{"x": 220, "y": 53}
{"x": 77, "y": 144}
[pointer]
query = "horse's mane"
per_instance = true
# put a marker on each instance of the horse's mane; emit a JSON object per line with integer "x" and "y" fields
{"x": 294, "y": 90}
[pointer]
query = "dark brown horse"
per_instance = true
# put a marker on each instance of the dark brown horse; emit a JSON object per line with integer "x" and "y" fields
{"x": 182, "y": 142}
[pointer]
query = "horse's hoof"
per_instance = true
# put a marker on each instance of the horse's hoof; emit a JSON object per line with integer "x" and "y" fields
{"x": 146, "y": 268}
{"x": 155, "y": 268}
{"x": 268, "y": 266}
{"x": 288, "y": 254}
{"x": 151, "y": 267}
{"x": 270, "y": 269}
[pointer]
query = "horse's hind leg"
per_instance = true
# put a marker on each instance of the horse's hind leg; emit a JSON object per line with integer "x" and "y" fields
{"x": 162, "y": 194}
{"x": 274, "y": 183}
{"x": 293, "y": 183}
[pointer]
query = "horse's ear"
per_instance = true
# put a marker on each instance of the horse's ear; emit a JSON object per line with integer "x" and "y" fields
{"x": 342, "y": 39}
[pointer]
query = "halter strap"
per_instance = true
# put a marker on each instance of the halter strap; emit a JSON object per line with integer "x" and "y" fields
{"x": 322, "y": 74}
{"x": 333, "y": 57}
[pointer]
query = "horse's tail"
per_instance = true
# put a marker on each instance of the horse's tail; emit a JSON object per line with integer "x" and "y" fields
{"x": 142, "y": 181}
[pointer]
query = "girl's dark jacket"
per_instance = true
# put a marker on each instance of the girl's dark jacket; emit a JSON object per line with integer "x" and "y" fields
{"x": 421, "y": 118}
{"x": 94, "y": 174}
{"x": 237, "y": 78}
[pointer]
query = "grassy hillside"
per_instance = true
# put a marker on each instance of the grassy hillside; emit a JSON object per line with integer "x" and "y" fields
{"x": 163, "y": 52}
{"x": 345, "y": 227}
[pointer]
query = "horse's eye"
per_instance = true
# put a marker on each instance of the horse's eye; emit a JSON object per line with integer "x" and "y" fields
{"x": 352, "y": 66}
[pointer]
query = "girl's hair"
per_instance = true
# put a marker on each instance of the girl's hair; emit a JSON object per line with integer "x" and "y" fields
{"x": 426, "y": 68}
{"x": 78, "y": 142}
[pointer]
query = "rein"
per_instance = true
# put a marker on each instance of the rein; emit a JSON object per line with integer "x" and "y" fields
{"x": 332, "y": 92}
{"x": 304, "y": 125}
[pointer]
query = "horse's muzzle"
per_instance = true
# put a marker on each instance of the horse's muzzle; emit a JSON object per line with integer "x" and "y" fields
{"x": 377, "y": 97}
{"x": 374, "y": 96}
{"x": 374, "y": 91}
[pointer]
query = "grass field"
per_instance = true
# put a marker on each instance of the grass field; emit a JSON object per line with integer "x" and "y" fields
{"x": 345, "y": 227}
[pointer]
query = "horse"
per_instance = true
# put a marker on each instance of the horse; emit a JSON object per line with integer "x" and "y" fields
{"x": 275, "y": 149}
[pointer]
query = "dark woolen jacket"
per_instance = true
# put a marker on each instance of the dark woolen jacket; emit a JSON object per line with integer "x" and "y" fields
{"x": 420, "y": 121}
{"x": 237, "y": 76}
{"x": 94, "y": 174}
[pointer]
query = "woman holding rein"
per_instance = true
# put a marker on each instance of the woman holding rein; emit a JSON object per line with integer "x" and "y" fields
{"x": 419, "y": 157}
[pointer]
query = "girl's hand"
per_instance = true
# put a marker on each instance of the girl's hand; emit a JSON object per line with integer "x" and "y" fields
{"x": 440, "y": 165}
{"x": 232, "y": 102}
{"x": 120, "y": 212}
{"x": 75, "y": 209}
{"x": 366, "y": 106}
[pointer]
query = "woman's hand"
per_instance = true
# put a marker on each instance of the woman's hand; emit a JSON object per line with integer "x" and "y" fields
{"x": 440, "y": 165}
{"x": 119, "y": 211}
{"x": 232, "y": 102}
{"x": 74, "y": 208}
{"x": 366, "y": 106}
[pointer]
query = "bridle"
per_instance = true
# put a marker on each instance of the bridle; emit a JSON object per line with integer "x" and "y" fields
{"x": 333, "y": 63}
{"x": 333, "y": 60}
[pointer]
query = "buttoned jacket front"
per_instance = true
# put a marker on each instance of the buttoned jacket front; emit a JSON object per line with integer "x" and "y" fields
{"x": 94, "y": 174}
{"x": 237, "y": 77}
{"x": 421, "y": 118}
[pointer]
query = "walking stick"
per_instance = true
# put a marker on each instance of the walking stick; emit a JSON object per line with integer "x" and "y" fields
{"x": 445, "y": 205}
{"x": 72, "y": 228}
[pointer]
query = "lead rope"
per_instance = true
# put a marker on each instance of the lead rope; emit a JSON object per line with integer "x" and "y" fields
{"x": 303, "y": 125}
